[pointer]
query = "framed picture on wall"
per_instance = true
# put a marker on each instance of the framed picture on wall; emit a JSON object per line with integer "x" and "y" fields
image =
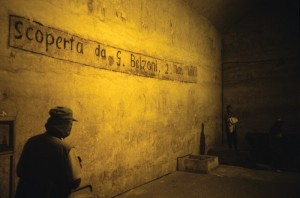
{"x": 6, "y": 135}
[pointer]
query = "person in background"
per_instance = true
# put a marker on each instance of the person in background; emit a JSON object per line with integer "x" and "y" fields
{"x": 276, "y": 144}
{"x": 48, "y": 166}
{"x": 230, "y": 124}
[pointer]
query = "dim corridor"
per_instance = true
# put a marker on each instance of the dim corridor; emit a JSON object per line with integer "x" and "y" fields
{"x": 224, "y": 182}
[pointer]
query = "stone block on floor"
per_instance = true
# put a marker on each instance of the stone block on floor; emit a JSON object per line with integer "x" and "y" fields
{"x": 197, "y": 163}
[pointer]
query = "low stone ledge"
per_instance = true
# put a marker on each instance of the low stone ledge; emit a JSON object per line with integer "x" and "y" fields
{"x": 197, "y": 163}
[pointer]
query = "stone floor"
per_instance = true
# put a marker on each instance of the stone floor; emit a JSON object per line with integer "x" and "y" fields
{"x": 224, "y": 182}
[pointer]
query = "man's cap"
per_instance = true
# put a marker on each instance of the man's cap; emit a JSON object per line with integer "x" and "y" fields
{"x": 61, "y": 113}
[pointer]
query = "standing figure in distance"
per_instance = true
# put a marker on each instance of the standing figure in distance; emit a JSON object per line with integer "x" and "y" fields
{"x": 230, "y": 124}
{"x": 276, "y": 144}
{"x": 48, "y": 166}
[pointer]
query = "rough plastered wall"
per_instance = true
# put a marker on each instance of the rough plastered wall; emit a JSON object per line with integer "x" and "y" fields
{"x": 261, "y": 68}
{"x": 133, "y": 124}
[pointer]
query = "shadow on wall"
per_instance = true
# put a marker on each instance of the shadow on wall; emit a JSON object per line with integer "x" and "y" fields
{"x": 202, "y": 141}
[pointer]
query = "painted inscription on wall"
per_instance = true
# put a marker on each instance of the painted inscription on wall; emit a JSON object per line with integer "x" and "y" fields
{"x": 34, "y": 37}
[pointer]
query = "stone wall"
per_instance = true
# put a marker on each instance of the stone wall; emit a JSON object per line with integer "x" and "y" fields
{"x": 261, "y": 68}
{"x": 133, "y": 122}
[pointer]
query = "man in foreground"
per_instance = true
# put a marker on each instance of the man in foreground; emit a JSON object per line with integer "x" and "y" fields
{"x": 48, "y": 166}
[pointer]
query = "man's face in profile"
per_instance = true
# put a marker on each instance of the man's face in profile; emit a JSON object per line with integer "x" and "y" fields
{"x": 66, "y": 128}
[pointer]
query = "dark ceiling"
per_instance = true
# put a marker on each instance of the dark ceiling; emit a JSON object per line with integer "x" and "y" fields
{"x": 224, "y": 13}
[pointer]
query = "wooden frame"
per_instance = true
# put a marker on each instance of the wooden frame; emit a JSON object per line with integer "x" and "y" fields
{"x": 6, "y": 136}
{"x": 7, "y": 145}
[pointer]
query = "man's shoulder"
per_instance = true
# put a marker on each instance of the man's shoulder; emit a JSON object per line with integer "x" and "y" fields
{"x": 36, "y": 137}
{"x": 45, "y": 138}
